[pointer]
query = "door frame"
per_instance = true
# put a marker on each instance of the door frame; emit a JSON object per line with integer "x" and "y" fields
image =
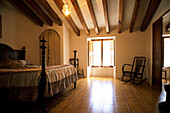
{"x": 157, "y": 54}
{"x": 162, "y": 59}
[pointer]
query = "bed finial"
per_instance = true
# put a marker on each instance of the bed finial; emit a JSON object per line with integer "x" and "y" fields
{"x": 42, "y": 83}
{"x": 23, "y": 48}
{"x": 75, "y": 51}
{"x": 24, "y": 51}
{"x": 43, "y": 47}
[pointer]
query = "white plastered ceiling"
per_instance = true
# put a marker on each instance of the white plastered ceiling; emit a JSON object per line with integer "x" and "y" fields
{"x": 113, "y": 12}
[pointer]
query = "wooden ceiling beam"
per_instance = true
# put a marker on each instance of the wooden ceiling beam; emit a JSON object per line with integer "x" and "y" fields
{"x": 106, "y": 16}
{"x": 90, "y": 6}
{"x": 0, "y": 26}
{"x": 48, "y": 8}
{"x": 134, "y": 15}
{"x": 80, "y": 16}
{"x": 39, "y": 11}
{"x": 60, "y": 4}
{"x": 153, "y": 5}
{"x": 25, "y": 9}
{"x": 120, "y": 16}
{"x": 168, "y": 27}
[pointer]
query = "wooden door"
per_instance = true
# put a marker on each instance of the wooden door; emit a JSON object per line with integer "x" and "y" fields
{"x": 157, "y": 54}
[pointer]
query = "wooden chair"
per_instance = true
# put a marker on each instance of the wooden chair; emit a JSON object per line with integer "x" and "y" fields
{"x": 164, "y": 69}
{"x": 80, "y": 71}
{"x": 135, "y": 70}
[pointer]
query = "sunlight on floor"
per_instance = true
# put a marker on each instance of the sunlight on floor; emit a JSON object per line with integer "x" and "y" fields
{"x": 109, "y": 95}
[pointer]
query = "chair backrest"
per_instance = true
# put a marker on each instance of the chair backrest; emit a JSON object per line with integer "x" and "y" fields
{"x": 72, "y": 62}
{"x": 139, "y": 64}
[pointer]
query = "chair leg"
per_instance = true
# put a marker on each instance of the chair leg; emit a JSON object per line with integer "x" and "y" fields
{"x": 126, "y": 80}
{"x": 122, "y": 77}
{"x": 165, "y": 77}
{"x": 141, "y": 79}
{"x": 130, "y": 76}
{"x": 83, "y": 73}
{"x": 74, "y": 84}
{"x": 133, "y": 79}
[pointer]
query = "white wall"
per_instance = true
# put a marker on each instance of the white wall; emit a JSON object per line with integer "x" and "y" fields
{"x": 163, "y": 7}
{"x": 65, "y": 45}
{"x": 128, "y": 45}
{"x": 102, "y": 72}
{"x": 19, "y": 31}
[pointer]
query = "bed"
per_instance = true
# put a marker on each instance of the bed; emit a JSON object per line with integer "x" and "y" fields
{"x": 24, "y": 81}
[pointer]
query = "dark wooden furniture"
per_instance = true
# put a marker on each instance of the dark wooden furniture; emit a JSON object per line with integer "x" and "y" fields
{"x": 164, "y": 69}
{"x": 7, "y": 52}
{"x": 135, "y": 70}
{"x": 157, "y": 54}
{"x": 72, "y": 62}
{"x": 75, "y": 62}
{"x": 0, "y": 26}
{"x": 42, "y": 83}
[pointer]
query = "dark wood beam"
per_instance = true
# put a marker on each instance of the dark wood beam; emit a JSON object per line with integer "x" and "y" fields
{"x": 0, "y": 26}
{"x": 48, "y": 8}
{"x": 60, "y": 4}
{"x": 153, "y": 5}
{"x": 39, "y": 11}
{"x": 164, "y": 14}
{"x": 89, "y": 3}
{"x": 25, "y": 9}
{"x": 79, "y": 14}
{"x": 168, "y": 27}
{"x": 106, "y": 16}
{"x": 134, "y": 15}
{"x": 120, "y": 16}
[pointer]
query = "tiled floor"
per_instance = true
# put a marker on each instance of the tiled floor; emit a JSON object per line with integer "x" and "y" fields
{"x": 99, "y": 95}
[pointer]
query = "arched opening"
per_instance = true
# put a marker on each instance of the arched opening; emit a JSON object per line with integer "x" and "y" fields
{"x": 53, "y": 51}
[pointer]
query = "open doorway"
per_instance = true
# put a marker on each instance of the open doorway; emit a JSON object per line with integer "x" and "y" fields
{"x": 166, "y": 49}
{"x": 158, "y": 68}
{"x": 166, "y": 60}
{"x": 53, "y": 52}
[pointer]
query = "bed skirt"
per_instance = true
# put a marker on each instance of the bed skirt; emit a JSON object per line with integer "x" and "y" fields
{"x": 24, "y": 87}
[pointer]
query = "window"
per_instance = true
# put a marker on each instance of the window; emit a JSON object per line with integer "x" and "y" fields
{"x": 166, "y": 52}
{"x": 101, "y": 52}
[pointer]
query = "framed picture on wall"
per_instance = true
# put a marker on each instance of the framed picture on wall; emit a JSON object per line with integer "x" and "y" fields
{"x": 0, "y": 26}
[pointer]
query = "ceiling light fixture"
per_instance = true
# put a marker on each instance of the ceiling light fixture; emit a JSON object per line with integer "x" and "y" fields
{"x": 66, "y": 9}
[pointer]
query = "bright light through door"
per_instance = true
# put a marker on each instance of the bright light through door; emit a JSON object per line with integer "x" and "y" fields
{"x": 166, "y": 52}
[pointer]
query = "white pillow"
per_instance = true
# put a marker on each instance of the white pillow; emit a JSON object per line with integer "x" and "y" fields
{"x": 22, "y": 62}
